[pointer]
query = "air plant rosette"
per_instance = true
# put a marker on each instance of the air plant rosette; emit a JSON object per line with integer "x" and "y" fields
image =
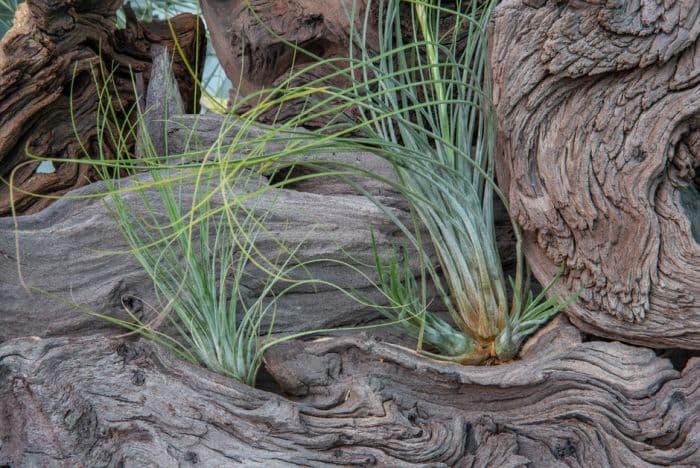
{"x": 426, "y": 103}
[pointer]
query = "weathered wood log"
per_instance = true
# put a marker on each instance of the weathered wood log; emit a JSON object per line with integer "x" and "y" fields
{"x": 52, "y": 62}
{"x": 95, "y": 401}
{"x": 79, "y": 234}
{"x": 599, "y": 149}
{"x": 76, "y": 237}
{"x": 253, "y": 41}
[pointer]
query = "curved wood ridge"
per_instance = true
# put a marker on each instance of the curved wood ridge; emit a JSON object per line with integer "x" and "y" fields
{"x": 51, "y": 62}
{"x": 95, "y": 401}
{"x": 599, "y": 146}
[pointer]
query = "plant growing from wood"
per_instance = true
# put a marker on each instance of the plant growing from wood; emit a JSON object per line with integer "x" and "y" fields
{"x": 423, "y": 101}
{"x": 431, "y": 112}
{"x": 193, "y": 224}
{"x": 424, "y": 104}
{"x": 196, "y": 249}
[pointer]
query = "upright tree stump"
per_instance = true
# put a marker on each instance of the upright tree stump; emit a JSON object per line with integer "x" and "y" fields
{"x": 599, "y": 146}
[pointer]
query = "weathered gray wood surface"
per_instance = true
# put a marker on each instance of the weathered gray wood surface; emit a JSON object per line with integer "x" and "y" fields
{"x": 69, "y": 254}
{"x": 350, "y": 401}
{"x": 66, "y": 250}
{"x": 599, "y": 149}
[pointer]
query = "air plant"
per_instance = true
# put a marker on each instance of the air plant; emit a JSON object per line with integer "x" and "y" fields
{"x": 422, "y": 94}
{"x": 193, "y": 222}
{"x": 426, "y": 99}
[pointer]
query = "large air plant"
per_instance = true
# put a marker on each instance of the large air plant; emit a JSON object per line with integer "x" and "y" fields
{"x": 427, "y": 97}
{"x": 421, "y": 89}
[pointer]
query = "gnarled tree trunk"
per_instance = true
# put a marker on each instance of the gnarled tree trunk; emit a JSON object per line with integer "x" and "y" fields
{"x": 54, "y": 62}
{"x": 599, "y": 144}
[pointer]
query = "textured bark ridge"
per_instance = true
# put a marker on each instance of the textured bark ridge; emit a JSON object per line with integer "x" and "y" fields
{"x": 51, "y": 62}
{"x": 599, "y": 147}
{"x": 350, "y": 401}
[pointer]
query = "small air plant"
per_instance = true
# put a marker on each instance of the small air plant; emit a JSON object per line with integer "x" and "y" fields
{"x": 7, "y": 13}
{"x": 193, "y": 223}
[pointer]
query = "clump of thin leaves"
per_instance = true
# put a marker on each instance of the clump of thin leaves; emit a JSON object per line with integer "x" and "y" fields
{"x": 427, "y": 99}
{"x": 197, "y": 261}
{"x": 193, "y": 225}
{"x": 423, "y": 97}
{"x": 7, "y": 14}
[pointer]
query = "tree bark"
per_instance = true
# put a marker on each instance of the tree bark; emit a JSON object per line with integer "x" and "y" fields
{"x": 349, "y": 401}
{"x": 54, "y": 62}
{"x": 598, "y": 152}
{"x": 261, "y": 43}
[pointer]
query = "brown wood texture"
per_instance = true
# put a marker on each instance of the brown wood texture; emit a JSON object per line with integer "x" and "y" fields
{"x": 51, "y": 63}
{"x": 255, "y": 41}
{"x": 94, "y": 401}
{"x": 75, "y": 398}
{"x": 599, "y": 148}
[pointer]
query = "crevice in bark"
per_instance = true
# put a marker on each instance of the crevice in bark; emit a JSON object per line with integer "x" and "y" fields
{"x": 679, "y": 358}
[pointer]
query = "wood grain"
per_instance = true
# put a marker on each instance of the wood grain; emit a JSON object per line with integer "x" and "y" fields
{"x": 599, "y": 121}
{"x": 54, "y": 62}
{"x": 350, "y": 401}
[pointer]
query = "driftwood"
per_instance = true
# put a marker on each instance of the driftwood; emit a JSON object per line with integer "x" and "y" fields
{"x": 73, "y": 397}
{"x": 75, "y": 238}
{"x": 51, "y": 64}
{"x": 253, "y": 41}
{"x": 324, "y": 217}
{"x": 92, "y": 401}
{"x": 599, "y": 149}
